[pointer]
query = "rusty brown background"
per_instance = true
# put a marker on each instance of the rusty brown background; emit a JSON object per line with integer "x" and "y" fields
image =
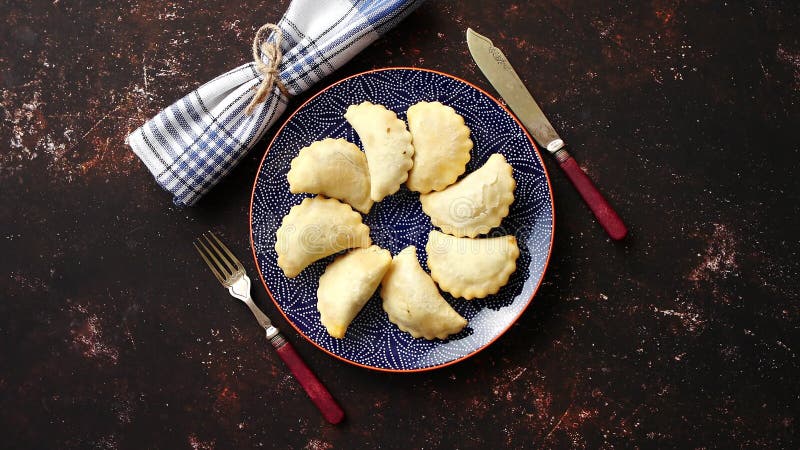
{"x": 112, "y": 335}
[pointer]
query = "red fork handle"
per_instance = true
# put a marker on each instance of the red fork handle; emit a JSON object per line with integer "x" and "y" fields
{"x": 314, "y": 388}
{"x": 605, "y": 214}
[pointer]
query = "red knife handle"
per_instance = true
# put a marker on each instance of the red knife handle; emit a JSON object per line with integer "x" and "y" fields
{"x": 314, "y": 388}
{"x": 605, "y": 214}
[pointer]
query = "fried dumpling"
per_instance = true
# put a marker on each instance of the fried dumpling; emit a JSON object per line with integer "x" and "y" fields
{"x": 413, "y": 302}
{"x": 334, "y": 168}
{"x": 348, "y": 282}
{"x": 441, "y": 146}
{"x": 316, "y": 228}
{"x": 476, "y": 203}
{"x": 471, "y": 268}
{"x": 386, "y": 142}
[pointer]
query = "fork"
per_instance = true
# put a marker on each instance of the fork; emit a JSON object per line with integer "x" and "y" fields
{"x": 230, "y": 272}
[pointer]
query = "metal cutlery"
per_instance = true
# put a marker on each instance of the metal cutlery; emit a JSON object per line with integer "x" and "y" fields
{"x": 502, "y": 76}
{"x": 230, "y": 272}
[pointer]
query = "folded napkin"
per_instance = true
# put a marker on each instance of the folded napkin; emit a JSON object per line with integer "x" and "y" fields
{"x": 196, "y": 141}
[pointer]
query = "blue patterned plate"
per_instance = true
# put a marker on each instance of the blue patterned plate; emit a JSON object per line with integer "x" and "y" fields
{"x": 398, "y": 221}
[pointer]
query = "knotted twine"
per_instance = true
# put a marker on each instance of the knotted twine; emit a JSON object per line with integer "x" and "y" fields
{"x": 272, "y": 51}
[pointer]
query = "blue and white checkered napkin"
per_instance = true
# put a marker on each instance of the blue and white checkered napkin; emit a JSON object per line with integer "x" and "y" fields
{"x": 196, "y": 141}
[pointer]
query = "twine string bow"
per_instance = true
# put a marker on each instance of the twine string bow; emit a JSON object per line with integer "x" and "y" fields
{"x": 272, "y": 51}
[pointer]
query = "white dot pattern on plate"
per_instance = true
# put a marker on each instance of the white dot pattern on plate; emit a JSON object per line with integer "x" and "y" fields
{"x": 398, "y": 221}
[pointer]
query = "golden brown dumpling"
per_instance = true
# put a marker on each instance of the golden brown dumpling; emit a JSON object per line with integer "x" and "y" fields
{"x": 348, "y": 282}
{"x": 475, "y": 204}
{"x": 316, "y": 228}
{"x": 441, "y": 146}
{"x": 471, "y": 268}
{"x": 413, "y": 302}
{"x": 386, "y": 142}
{"x": 334, "y": 168}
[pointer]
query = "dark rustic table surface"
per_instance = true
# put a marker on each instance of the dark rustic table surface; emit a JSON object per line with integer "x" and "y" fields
{"x": 112, "y": 334}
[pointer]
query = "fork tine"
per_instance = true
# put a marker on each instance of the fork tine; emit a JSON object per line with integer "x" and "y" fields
{"x": 214, "y": 255}
{"x": 209, "y": 263}
{"x": 216, "y": 251}
{"x": 227, "y": 251}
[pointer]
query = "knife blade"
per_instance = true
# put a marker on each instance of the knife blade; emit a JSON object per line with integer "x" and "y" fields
{"x": 498, "y": 70}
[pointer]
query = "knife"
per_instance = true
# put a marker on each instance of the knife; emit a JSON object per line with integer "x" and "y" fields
{"x": 501, "y": 75}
